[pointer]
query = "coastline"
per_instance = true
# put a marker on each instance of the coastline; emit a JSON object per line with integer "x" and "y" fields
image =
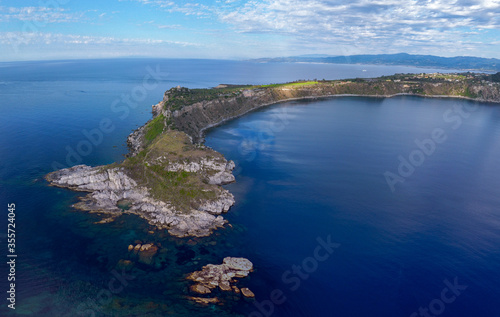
{"x": 217, "y": 124}
{"x": 195, "y": 111}
{"x": 158, "y": 148}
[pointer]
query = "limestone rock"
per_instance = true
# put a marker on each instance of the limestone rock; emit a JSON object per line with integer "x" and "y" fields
{"x": 217, "y": 171}
{"x": 247, "y": 293}
{"x": 135, "y": 140}
{"x": 204, "y": 301}
{"x": 105, "y": 220}
{"x": 222, "y": 276}
{"x": 200, "y": 289}
{"x": 146, "y": 253}
{"x": 143, "y": 253}
{"x": 108, "y": 186}
{"x": 238, "y": 264}
{"x": 137, "y": 248}
{"x": 225, "y": 286}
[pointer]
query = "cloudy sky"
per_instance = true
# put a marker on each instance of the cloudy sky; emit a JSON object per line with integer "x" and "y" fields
{"x": 63, "y": 29}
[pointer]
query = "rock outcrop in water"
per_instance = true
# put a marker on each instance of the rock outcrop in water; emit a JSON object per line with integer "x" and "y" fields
{"x": 223, "y": 277}
{"x": 143, "y": 253}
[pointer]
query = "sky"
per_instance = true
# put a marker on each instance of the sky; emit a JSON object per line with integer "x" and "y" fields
{"x": 234, "y": 29}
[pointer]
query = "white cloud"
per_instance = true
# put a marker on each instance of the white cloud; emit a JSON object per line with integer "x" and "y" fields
{"x": 169, "y": 26}
{"x": 159, "y": 3}
{"x": 23, "y": 38}
{"x": 363, "y": 25}
{"x": 189, "y": 8}
{"x": 38, "y": 14}
{"x": 254, "y": 28}
{"x": 367, "y": 24}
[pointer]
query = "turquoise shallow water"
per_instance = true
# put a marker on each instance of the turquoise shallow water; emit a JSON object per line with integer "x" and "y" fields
{"x": 305, "y": 171}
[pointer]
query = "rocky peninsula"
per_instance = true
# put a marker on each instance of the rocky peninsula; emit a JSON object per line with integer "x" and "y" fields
{"x": 174, "y": 182}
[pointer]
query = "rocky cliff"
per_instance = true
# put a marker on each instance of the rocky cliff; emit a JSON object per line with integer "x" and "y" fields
{"x": 195, "y": 110}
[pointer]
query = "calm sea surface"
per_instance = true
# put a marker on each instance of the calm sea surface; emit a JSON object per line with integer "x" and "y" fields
{"x": 346, "y": 206}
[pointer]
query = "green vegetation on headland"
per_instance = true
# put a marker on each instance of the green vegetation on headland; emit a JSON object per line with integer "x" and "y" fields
{"x": 496, "y": 77}
{"x": 155, "y": 128}
{"x": 180, "y": 96}
{"x": 453, "y": 84}
{"x": 294, "y": 84}
{"x": 150, "y": 168}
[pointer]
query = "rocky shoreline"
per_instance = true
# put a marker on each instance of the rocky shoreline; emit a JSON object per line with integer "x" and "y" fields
{"x": 109, "y": 187}
{"x": 113, "y": 191}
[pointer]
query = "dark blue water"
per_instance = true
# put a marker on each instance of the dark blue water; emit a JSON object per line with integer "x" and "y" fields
{"x": 307, "y": 174}
{"x": 309, "y": 170}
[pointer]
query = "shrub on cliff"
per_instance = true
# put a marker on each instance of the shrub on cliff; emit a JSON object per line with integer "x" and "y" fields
{"x": 496, "y": 77}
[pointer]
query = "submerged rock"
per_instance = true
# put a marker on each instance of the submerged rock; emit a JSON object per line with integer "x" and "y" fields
{"x": 143, "y": 253}
{"x": 204, "y": 301}
{"x": 146, "y": 253}
{"x": 126, "y": 265}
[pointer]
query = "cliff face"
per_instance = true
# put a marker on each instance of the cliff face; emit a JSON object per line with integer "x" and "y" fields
{"x": 193, "y": 111}
{"x": 194, "y": 119}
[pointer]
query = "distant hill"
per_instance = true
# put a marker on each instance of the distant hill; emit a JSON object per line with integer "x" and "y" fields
{"x": 458, "y": 62}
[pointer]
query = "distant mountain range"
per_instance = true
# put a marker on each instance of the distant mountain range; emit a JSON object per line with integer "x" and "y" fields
{"x": 459, "y": 62}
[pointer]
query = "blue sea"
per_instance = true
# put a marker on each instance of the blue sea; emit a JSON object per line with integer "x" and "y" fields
{"x": 347, "y": 206}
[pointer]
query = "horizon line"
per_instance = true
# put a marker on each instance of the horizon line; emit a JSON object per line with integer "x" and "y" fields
{"x": 237, "y": 58}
